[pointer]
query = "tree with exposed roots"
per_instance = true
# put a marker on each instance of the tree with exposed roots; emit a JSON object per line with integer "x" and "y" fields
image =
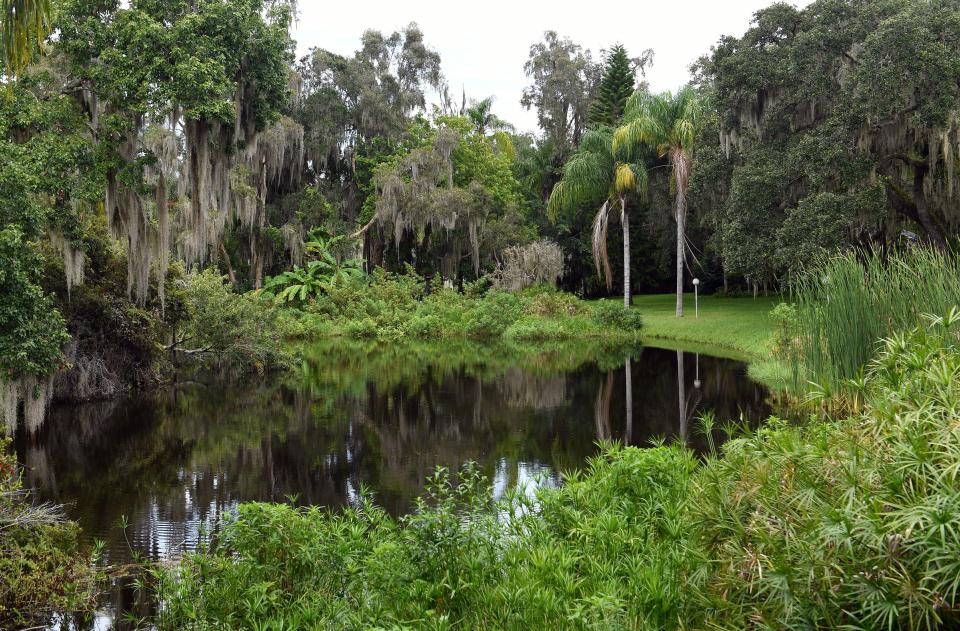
{"x": 668, "y": 124}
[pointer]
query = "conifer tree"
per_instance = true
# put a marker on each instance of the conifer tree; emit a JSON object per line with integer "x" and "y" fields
{"x": 616, "y": 86}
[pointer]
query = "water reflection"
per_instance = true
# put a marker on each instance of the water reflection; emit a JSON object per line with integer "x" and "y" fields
{"x": 171, "y": 464}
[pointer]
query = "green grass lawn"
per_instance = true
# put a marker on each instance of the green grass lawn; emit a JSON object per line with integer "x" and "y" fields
{"x": 738, "y": 324}
{"x": 740, "y": 328}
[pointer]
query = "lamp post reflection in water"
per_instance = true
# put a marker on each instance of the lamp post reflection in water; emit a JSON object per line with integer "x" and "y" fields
{"x": 696, "y": 379}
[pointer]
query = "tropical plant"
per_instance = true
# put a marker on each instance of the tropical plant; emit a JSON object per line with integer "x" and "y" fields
{"x": 830, "y": 524}
{"x": 599, "y": 172}
{"x": 44, "y": 571}
{"x": 667, "y": 123}
{"x": 25, "y": 25}
{"x": 481, "y": 115}
{"x": 316, "y": 277}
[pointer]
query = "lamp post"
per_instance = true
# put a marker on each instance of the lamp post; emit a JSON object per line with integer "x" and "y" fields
{"x": 696, "y": 296}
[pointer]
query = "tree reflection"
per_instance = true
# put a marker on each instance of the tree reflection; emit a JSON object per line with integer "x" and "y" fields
{"x": 175, "y": 462}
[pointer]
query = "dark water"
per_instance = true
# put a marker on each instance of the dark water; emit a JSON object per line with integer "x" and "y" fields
{"x": 167, "y": 466}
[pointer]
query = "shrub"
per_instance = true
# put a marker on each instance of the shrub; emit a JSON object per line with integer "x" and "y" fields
{"x": 784, "y": 318}
{"x": 540, "y": 262}
{"x": 493, "y": 314}
{"x": 539, "y": 329}
{"x": 612, "y": 314}
{"x": 43, "y": 570}
{"x": 362, "y": 328}
{"x": 478, "y": 288}
{"x": 424, "y": 326}
{"x": 546, "y": 301}
{"x": 239, "y": 330}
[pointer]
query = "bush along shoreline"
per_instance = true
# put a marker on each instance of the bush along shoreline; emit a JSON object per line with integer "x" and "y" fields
{"x": 838, "y": 522}
{"x": 395, "y": 306}
{"x": 43, "y": 569}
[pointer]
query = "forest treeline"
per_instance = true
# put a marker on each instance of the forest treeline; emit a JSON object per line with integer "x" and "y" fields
{"x": 147, "y": 140}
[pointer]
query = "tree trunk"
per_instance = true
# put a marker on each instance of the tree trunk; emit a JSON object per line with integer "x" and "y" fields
{"x": 626, "y": 252}
{"x": 230, "y": 272}
{"x": 681, "y": 220}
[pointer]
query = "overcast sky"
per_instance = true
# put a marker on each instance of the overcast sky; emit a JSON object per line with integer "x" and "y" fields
{"x": 483, "y": 45}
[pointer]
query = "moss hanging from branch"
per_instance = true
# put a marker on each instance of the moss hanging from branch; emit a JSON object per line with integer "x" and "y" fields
{"x": 34, "y": 393}
{"x": 74, "y": 260}
{"x": 417, "y": 197}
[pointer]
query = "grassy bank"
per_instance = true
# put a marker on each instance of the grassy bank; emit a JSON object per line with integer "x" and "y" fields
{"x": 838, "y": 523}
{"x": 741, "y": 325}
{"x": 739, "y": 328}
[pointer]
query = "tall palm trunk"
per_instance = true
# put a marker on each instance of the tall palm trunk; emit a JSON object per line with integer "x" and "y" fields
{"x": 625, "y": 221}
{"x": 681, "y": 174}
{"x": 680, "y": 231}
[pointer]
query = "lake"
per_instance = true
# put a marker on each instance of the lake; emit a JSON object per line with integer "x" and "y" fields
{"x": 152, "y": 475}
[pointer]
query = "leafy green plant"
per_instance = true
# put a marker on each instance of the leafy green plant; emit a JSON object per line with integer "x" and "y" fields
{"x": 238, "y": 330}
{"x": 838, "y": 523}
{"x": 546, "y": 301}
{"x": 846, "y": 303}
{"x": 492, "y": 315}
{"x": 316, "y": 277}
{"x": 784, "y": 317}
{"x": 614, "y": 315}
{"x": 43, "y": 569}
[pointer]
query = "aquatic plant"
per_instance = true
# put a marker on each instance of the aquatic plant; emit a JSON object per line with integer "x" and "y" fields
{"x": 846, "y": 303}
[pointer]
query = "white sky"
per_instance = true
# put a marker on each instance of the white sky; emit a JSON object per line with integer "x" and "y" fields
{"x": 483, "y": 45}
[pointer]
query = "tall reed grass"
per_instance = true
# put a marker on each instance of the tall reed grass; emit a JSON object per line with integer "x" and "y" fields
{"x": 847, "y": 303}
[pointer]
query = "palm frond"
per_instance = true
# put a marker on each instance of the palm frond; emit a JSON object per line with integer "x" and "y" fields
{"x": 642, "y": 177}
{"x": 624, "y": 179}
{"x": 644, "y": 129}
{"x": 599, "y": 243}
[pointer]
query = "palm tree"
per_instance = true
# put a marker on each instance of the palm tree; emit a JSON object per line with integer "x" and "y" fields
{"x": 25, "y": 25}
{"x": 596, "y": 172}
{"x": 481, "y": 115}
{"x": 667, "y": 123}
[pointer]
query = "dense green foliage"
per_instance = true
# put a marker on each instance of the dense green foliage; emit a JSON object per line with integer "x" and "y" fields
{"x": 845, "y": 304}
{"x": 42, "y": 569}
{"x": 394, "y": 306}
{"x": 839, "y": 522}
{"x": 32, "y": 331}
{"x": 206, "y": 141}
{"x": 837, "y": 125}
{"x": 168, "y": 170}
{"x": 24, "y": 25}
{"x": 616, "y": 86}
